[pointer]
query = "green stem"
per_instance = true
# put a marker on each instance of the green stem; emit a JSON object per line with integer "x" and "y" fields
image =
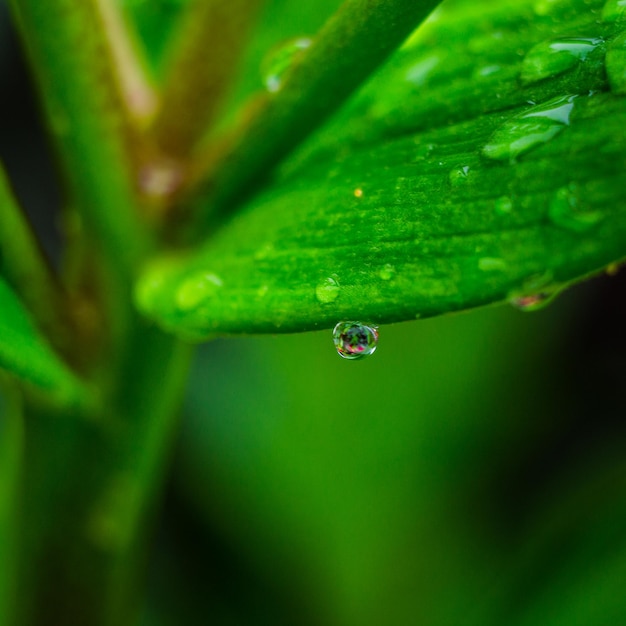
{"x": 202, "y": 60}
{"x": 72, "y": 60}
{"x": 139, "y": 96}
{"x": 351, "y": 45}
{"x": 92, "y": 489}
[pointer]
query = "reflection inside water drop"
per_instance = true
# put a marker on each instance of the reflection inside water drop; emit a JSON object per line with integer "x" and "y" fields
{"x": 355, "y": 340}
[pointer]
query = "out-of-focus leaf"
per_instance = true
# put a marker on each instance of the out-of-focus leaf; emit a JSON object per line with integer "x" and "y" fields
{"x": 450, "y": 181}
{"x": 10, "y": 465}
{"x": 25, "y": 354}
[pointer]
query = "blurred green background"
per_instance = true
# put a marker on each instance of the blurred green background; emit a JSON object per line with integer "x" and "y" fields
{"x": 471, "y": 472}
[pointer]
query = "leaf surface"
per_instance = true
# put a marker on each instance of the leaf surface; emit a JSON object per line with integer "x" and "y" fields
{"x": 462, "y": 174}
{"x": 26, "y": 355}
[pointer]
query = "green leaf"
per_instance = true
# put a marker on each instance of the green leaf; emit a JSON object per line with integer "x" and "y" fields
{"x": 11, "y": 447}
{"x": 312, "y": 87}
{"x": 26, "y": 355}
{"x": 448, "y": 182}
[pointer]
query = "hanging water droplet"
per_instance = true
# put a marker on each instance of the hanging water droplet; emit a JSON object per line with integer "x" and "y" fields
{"x": 614, "y": 10}
{"x": 459, "y": 175}
{"x": 503, "y": 205}
{"x": 387, "y": 271}
{"x": 565, "y": 210}
{"x": 327, "y": 290}
{"x": 551, "y": 58}
{"x": 616, "y": 64}
{"x": 278, "y": 61}
{"x": 533, "y": 302}
{"x": 196, "y": 289}
{"x": 355, "y": 340}
{"x": 537, "y": 291}
{"x": 529, "y": 129}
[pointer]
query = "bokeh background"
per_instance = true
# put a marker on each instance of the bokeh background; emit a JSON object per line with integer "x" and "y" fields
{"x": 472, "y": 471}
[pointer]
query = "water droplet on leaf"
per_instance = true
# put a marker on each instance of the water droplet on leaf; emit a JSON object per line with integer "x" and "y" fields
{"x": 355, "y": 340}
{"x": 387, "y": 271}
{"x": 459, "y": 175}
{"x": 545, "y": 7}
{"x": 533, "y": 302}
{"x": 278, "y": 61}
{"x": 327, "y": 290}
{"x": 418, "y": 73}
{"x": 536, "y": 292}
{"x": 614, "y": 10}
{"x": 529, "y": 129}
{"x": 565, "y": 210}
{"x": 616, "y": 64}
{"x": 196, "y": 289}
{"x": 503, "y": 205}
{"x": 550, "y": 58}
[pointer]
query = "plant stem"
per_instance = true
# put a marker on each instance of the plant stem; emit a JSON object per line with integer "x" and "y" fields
{"x": 91, "y": 489}
{"x": 350, "y": 46}
{"x": 73, "y": 63}
{"x": 139, "y": 96}
{"x": 202, "y": 61}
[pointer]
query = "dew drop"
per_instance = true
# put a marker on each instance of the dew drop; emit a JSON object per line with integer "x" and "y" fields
{"x": 565, "y": 210}
{"x": 418, "y": 73}
{"x": 536, "y": 292}
{"x": 529, "y": 129}
{"x": 533, "y": 302}
{"x": 355, "y": 340}
{"x": 327, "y": 290}
{"x": 278, "y": 61}
{"x": 459, "y": 175}
{"x": 545, "y": 7}
{"x": 387, "y": 271}
{"x": 551, "y": 58}
{"x": 616, "y": 64}
{"x": 503, "y": 205}
{"x": 196, "y": 289}
{"x": 614, "y": 10}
